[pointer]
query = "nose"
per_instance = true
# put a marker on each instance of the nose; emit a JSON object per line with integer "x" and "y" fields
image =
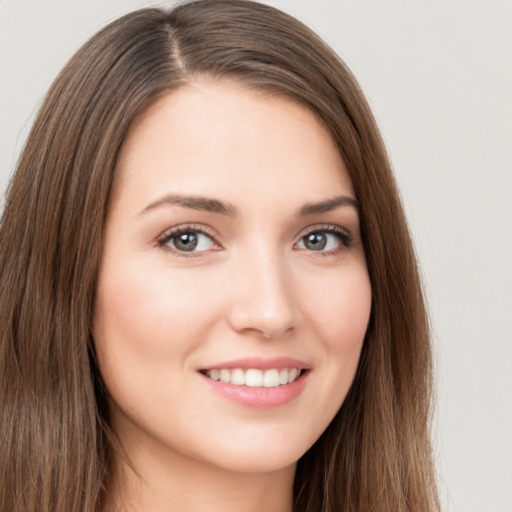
{"x": 264, "y": 300}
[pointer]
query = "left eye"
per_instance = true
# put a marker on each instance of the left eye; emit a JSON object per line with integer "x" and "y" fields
{"x": 321, "y": 241}
{"x": 189, "y": 241}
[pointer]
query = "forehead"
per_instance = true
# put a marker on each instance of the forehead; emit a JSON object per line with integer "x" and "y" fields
{"x": 221, "y": 138}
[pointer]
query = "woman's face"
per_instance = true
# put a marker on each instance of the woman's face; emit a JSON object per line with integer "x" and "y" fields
{"x": 233, "y": 294}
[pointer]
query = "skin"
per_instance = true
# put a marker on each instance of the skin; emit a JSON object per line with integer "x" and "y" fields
{"x": 252, "y": 288}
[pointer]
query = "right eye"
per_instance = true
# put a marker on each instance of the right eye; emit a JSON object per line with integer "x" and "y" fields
{"x": 187, "y": 240}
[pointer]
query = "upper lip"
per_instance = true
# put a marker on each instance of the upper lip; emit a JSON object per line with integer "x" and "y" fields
{"x": 260, "y": 363}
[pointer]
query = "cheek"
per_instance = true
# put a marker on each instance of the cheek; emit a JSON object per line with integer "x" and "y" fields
{"x": 146, "y": 325}
{"x": 340, "y": 316}
{"x": 148, "y": 307}
{"x": 337, "y": 310}
{"x": 340, "y": 308}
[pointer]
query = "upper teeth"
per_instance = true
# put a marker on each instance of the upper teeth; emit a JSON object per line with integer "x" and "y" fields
{"x": 254, "y": 377}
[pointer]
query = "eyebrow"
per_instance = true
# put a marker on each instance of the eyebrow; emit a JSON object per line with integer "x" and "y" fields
{"x": 195, "y": 203}
{"x": 328, "y": 205}
{"x": 215, "y": 206}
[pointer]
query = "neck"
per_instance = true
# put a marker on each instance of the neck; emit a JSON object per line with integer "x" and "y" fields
{"x": 173, "y": 482}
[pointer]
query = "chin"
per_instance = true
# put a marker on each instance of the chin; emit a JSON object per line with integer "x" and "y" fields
{"x": 259, "y": 461}
{"x": 260, "y": 453}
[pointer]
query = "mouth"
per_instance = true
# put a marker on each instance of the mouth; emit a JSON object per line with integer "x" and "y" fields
{"x": 254, "y": 377}
{"x": 259, "y": 383}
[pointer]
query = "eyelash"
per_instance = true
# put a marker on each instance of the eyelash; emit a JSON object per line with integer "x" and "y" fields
{"x": 344, "y": 237}
{"x": 166, "y": 237}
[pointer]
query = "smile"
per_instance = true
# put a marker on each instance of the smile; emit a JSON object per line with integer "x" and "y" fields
{"x": 258, "y": 382}
{"x": 254, "y": 377}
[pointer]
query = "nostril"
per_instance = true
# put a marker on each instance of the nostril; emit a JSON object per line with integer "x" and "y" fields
{"x": 263, "y": 303}
{"x": 267, "y": 333}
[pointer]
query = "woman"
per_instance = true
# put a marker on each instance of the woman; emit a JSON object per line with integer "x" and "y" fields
{"x": 209, "y": 294}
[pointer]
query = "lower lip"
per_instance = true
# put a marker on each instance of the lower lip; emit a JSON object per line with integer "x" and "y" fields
{"x": 259, "y": 397}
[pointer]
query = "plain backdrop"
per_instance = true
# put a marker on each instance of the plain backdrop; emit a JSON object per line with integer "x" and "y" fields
{"x": 438, "y": 74}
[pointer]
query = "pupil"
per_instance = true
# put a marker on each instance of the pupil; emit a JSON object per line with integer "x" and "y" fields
{"x": 186, "y": 242}
{"x": 315, "y": 241}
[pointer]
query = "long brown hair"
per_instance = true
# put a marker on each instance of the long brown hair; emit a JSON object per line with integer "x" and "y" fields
{"x": 56, "y": 447}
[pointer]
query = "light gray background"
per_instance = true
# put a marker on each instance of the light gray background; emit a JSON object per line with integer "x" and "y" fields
{"x": 439, "y": 77}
